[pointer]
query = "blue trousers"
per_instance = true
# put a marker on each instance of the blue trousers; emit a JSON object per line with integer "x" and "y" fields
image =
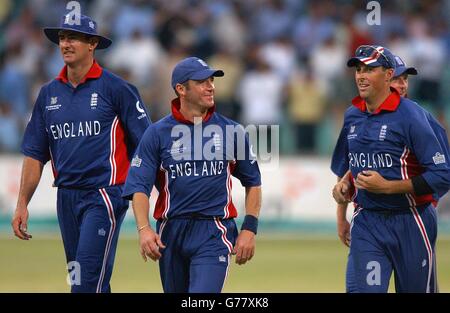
{"x": 402, "y": 242}
{"x": 197, "y": 254}
{"x": 90, "y": 222}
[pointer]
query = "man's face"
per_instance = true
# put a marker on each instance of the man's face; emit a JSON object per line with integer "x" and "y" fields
{"x": 200, "y": 93}
{"x": 401, "y": 84}
{"x": 371, "y": 80}
{"x": 75, "y": 46}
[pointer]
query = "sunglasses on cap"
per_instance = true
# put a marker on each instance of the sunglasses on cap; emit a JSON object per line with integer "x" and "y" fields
{"x": 368, "y": 51}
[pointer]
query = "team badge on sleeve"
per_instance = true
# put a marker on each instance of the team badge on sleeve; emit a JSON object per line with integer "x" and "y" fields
{"x": 136, "y": 162}
{"x": 438, "y": 158}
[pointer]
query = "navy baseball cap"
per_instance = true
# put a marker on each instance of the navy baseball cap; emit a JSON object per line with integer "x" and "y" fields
{"x": 193, "y": 68}
{"x": 372, "y": 56}
{"x": 86, "y": 26}
{"x": 401, "y": 68}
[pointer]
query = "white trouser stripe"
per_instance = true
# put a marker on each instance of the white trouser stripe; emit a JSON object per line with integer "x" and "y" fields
{"x": 424, "y": 234}
{"x": 225, "y": 240}
{"x": 226, "y": 272}
{"x": 353, "y": 217}
{"x": 161, "y": 228}
{"x": 112, "y": 220}
{"x": 417, "y": 218}
{"x": 223, "y": 229}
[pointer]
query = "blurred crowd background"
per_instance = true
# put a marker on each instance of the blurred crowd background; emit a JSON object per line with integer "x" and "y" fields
{"x": 284, "y": 60}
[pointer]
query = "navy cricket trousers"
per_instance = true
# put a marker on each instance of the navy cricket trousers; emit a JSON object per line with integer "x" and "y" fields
{"x": 402, "y": 242}
{"x": 197, "y": 254}
{"x": 90, "y": 222}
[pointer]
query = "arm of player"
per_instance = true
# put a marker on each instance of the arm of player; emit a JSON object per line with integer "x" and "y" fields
{"x": 133, "y": 113}
{"x": 341, "y": 191}
{"x": 373, "y": 182}
{"x": 244, "y": 249}
{"x": 343, "y": 226}
{"x": 31, "y": 175}
{"x": 424, "y": 144}
{"x": 339, "y": 159}
{"x": 149, "y": 240}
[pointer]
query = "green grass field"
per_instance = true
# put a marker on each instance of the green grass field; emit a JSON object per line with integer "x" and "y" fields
{"x": 288, "y": 264}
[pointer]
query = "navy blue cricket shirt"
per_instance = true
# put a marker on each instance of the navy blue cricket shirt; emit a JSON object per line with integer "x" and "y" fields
{"x": 190, "y": 184}
{"x": 399, "y": 142}
{"x": 89, "y": 132}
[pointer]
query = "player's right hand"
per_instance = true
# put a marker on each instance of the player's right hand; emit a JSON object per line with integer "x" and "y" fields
{"x": 341, "y": 192}
{"x": 343, "y": 229}
{"x": 150, "y": 243}
{"x": 19, "y": 223}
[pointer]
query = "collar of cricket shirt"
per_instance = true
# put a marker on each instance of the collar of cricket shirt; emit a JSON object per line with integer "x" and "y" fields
{"x": 94, "y": 72}
{"x": 390, "y": 104}
{"x": 179, "y": 116}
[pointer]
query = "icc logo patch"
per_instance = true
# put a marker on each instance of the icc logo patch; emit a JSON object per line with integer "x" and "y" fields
{"x": 177, "y": 147}
{"x": 53, "y": 104}
{"x": 352, "y": 133}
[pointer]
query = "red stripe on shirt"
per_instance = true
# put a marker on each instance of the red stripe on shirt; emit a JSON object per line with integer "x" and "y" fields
{"x": 162, "y": 203}
{"x": 413, "y": 168}
{"x": 112, "y": 160}
{"x": 229, "y": 209}
{"x": 121, "y": 155}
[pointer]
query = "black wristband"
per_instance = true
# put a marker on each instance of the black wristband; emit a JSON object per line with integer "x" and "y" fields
{"x": 250, "y": 223}
{"x": 421, "y": 186}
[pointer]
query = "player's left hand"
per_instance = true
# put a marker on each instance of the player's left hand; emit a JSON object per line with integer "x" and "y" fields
{"x": 244, "y": 249}
{"x": 372, "y": 182}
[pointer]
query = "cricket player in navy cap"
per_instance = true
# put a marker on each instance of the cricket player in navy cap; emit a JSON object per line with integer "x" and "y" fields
{"x": 400, "y": 79}
{"x": 88, "y": 123}
{"x": 397, "y": 163}
{"x": 401, "y": 83}
{"x": 196, "y": 233}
